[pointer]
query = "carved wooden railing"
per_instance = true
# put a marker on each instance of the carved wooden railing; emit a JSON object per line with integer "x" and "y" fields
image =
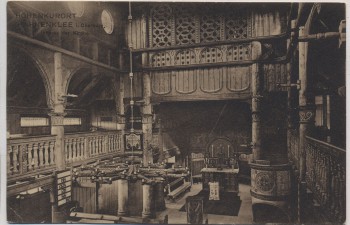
{"x": 82, "y": 146}
{"x": 294, "y": 147}
{"x": 325, "y": 177}
{"x": 30, "y": 155}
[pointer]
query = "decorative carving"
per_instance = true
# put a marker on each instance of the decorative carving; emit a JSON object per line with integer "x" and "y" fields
{"x": 236, "y": 25}
{"x": 209, "y": 28}
{"x": 161, "y": 25}
{"x": 264, "y": 181}
{"x": 57, "y": 119}
{"x": 238, "y": 78}
{"x": 239, "y": 52}
{"x": 185, "y": 26}
{"x": 161, "y": 82}
{"x": 256, "y": 117}
{"x": 185, "y": 57}
{"x": 195, "y": 211}
{"x": 161, "y": 59}
{"x": 211, "y": 55}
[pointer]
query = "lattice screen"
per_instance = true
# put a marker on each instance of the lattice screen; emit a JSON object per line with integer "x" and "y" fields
{"x": 180, "y": 25}
{"x": 185, "y": 26}
{"x": 239, "y": 52}
{"x": 210, "y": 28}
{"x": 162, "y": 18}
{"x": 237, "y": 25}
{"x": 186, "y": 57}
{"x": 211, "y": 55}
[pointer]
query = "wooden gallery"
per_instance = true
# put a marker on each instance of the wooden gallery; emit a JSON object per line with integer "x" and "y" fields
{"x": 170, "y": 112}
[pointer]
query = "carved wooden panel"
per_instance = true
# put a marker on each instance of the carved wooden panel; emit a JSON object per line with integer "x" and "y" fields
{"x": 209, "y": 28}
{"x": 161, "y": 59}
{"x": 185, "y": 26}
{"x": 211, "y": 55}
{"x": 268, "y": 23}
{"x": 211, "y": 79}
{"x": 195, "y": 210}
{"x": 238, "y": 52}
{"x": 185, "y": 81}
{"x": 162, "y": 19}
{"x": 185, "y": 57}
{"x": 238, "y": 78}
{"x": 161, "y": 82}
{"x": 237, "y": 25}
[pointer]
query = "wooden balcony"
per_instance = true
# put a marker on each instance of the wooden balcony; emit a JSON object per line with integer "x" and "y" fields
{"x": 30, "y": 156}
{"x": 325, "y": 177}
{"x": 86, "y": 147}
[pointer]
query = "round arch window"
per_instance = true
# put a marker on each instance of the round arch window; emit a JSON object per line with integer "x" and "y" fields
{"x": 107, "y": 21}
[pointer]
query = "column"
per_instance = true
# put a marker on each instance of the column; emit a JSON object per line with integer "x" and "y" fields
{"x": 120, "y": 110}
{"x": 57, "y": 114}
{"x": 148, "y": 200}
{"x": 306, "y": 119}
{"x": 123, "y": 197}
{"x": 256, "y": 120}
{"x": 147, "y": 118}
{"x": 306, "y": 104}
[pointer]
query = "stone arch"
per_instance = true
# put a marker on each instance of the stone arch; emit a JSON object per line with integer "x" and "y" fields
{"x": 43, "y": 72}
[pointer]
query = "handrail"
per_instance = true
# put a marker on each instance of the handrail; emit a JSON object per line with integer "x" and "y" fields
{"x": 32, "y": 155}
{"x": 207, "y": 44}
{"x": 325, "y": 177}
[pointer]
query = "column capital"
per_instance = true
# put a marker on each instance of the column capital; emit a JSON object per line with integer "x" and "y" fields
{"x": 120, "y": 118}
{"x": 57, "y": 118}
{"x": 147, "y": 118}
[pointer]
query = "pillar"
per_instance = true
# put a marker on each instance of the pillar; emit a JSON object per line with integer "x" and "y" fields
{"x": 306, "y": 119}
{"x": 57, "y": 114}
{"x": 123, "y": 197}
{"x": 147, "y": 118}
{"x": 120, "y": 109}
{"x": 306, "y": 104}
{"x": 256, "y": 114}
{"x": 148, "y": 200}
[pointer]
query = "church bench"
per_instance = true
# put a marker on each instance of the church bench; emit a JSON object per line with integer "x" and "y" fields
{"x": 178, "y": 187}
{"x": 80, "y": 217}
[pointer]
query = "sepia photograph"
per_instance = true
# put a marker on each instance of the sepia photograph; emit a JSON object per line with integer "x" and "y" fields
{"x": 176, "y": 112}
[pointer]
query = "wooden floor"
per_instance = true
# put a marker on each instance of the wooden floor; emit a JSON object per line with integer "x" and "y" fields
{"x": 244, "y": 215}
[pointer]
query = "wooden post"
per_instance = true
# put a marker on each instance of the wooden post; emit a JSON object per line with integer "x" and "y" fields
{"x": 148, "y": 200}
{"x": 306, "y": 104}
{"x": 306, "y": 119}
{"x": 256, "y": 123}
{"x": 147, "y": 119}
{"x": 123, "y": 197}
{"x": 57, "y": 115}
{"x": 120, "y": 110}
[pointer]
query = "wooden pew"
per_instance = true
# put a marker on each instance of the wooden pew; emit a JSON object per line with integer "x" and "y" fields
{"x": 178, "y": 187}
{"x": 79, "y": 217}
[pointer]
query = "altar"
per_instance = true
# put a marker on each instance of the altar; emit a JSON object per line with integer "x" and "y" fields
{"x": 221, "y": 167}
{"x": 226, "y": 177}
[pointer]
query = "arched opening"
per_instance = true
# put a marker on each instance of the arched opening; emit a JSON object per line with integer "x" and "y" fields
{"x": 94, "y": 104}
{"x": 26, "y": 95}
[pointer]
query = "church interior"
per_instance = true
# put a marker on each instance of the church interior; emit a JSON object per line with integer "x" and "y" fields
{"x": 176, "y": 112}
